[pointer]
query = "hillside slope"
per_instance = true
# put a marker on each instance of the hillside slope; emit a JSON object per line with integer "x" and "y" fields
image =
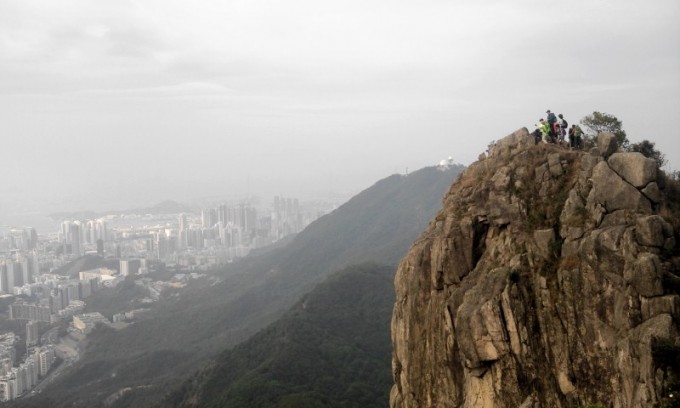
{"x": 549, "y": 279}
{"x": 332, "y": 349}
{"x": 181, "y": 332}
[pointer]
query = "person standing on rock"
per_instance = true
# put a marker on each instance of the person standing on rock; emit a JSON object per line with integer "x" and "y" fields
{"x": 578, "y": 134}
{"x": 563, "y": 127}
{"x": 552, "y": 119}
{"x": 575, "y": 137}
{"x": 544, "y": 130}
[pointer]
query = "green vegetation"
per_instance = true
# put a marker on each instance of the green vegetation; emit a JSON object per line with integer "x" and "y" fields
{"x": 332, "y": 349}
{"x": 603, "y": 122}
{"x": 123, "y": 297}
{"x": 85, "y": 263}
{"x": 648, "y": 150}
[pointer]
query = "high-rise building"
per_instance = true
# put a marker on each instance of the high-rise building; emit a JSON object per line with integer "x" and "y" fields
{"x": 102, "y": 230}
{"x": 32, "y": 333}
{"x": 5, "y": 365}
{"x": 46, "y": 357}
{"x": 124, "y": 267}
{"x": 21, "y": 310}
{"x": 4, "y": 283}
{"x": 75, "y": 239}
{"x": 100, "y": 247}
{"x": 209, "y": 217}
{"x": 26, "y": 275}
{"x": 19, "y": 375}
{"x": 182, "y": 241}
{"x": 15, "y": 276}
{"x": 7, "y": 392}
{"x": 143, "y": 266}
{"x": 72, "y": 290}
{"x": 65, "y": 231}
{"x": 33, "y": 266}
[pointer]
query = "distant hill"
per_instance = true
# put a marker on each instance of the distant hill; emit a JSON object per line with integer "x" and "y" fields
{"x": 332, "y": 349}
{"x": 181, "y": 332}
{"x": 164, "y": 207}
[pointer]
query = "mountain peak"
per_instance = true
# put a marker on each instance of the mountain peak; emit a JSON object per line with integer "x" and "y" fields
{"x": 542, "y": 282}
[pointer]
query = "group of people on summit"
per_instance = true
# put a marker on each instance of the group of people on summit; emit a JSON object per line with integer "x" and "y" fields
{"x": 553, "y": 129}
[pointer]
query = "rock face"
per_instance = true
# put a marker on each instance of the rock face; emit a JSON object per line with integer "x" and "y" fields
{"x": 539, "y": 284}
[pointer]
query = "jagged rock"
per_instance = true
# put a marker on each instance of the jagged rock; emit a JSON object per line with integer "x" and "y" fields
{"x": 511, "y": 144}
{"x": 613, "y": 193}
{"x": 653, "y": 192}
{"x": 618, "y": 217}
{"x": 545, "y": 239}
{"x": 644, "y": 275}
{"x": 554, "y": 164}
{"x": 494, "y": 309}
{"x": 652, "y": 307}
{"x": 634, "y": 168}
{"x": 501, "y": 179}
{"x": 650, "y": 231}
{"x": 607, "y": 144}
{"x": 588, "y": 162}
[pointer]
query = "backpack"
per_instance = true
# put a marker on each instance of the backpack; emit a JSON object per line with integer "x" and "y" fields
{"x": 564, "y": 124}
{"x": 551, "y": 118}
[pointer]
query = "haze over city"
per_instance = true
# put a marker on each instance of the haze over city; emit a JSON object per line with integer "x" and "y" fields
{"x": 117, "y": 104}
{"x": 251, "y": 203}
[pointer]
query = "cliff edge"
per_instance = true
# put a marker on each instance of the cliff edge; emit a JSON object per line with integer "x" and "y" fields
{"x": 548, "y": 279}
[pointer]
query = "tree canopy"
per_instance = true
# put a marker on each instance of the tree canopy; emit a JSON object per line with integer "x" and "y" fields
{"x": 603, "y": 122}
{"x": 648, "y": 150}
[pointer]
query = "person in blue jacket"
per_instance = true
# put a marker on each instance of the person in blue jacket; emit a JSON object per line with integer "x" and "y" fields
{"x": 551, "y": 124}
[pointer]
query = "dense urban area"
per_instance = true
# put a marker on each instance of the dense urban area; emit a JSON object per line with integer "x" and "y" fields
{"x": 43, "y": 291}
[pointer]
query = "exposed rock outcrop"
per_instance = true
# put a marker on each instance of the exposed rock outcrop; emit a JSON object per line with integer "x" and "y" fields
{"x": 541, "y": 283}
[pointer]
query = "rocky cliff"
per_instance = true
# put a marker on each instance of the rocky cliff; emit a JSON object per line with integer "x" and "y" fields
{"x": 546, "y": 280}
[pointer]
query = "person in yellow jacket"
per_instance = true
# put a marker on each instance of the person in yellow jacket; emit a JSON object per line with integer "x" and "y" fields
{"x": 544, "y": 127}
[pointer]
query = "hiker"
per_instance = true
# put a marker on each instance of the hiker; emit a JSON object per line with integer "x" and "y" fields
{"x": 563, "y": 127}
{"x": 556, "y": 133}
{"x": 552, "y": 119}
{"x": 578, "y": 135}
{"x": 575, "y": 139}
{"x": 537, "y": 134}
{"x": 542, "y": 131}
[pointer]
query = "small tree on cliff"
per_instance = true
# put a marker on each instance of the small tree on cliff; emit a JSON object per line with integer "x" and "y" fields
{"x": 648, "y": 150}
{"x": 604, "y": 122}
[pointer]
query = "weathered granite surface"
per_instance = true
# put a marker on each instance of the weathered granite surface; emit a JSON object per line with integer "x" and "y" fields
{"x": 539, "y": 284}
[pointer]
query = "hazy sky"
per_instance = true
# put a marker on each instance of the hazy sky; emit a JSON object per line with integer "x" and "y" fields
{"x": 105, "y": 104}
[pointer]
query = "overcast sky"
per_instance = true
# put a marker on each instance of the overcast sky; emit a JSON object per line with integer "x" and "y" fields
{"x": 106, "y": 104}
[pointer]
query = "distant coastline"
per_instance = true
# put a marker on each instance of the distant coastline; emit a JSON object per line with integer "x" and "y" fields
{"x": 42, "y": 223}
